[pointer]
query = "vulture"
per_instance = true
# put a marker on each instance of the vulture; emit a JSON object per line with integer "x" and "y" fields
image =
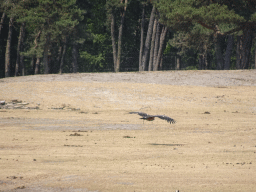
{"x": 152, "y": 117}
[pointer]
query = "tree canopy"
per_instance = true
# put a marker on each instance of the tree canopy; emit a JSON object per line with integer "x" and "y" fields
{"x": 42, "y": 36}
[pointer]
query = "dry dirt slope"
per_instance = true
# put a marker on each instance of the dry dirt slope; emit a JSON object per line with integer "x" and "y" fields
{"x": 83, "y": 139}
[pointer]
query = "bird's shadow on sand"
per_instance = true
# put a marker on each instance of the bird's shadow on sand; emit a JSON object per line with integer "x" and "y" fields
{"x": 166, "y": 144}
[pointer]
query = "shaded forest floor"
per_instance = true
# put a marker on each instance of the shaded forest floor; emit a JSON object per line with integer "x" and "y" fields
{"x": 74, "y": 132}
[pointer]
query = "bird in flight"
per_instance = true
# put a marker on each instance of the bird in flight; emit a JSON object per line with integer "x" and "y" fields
{"x": 147, "y": 117}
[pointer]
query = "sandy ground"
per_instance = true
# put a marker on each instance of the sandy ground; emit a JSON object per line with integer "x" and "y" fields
{"x": 82, "y": 137}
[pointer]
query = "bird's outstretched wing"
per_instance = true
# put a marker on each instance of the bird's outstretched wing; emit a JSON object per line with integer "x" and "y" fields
{"x": 145, "y": 116}
{"x": 140, "y": 113}
{"x": 168, "y": 119}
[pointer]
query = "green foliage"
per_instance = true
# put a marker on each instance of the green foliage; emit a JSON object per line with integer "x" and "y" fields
{"x": 198, "y": 40}
{"x": 253, "y": 17}
{"x": 196, "y": 23}
{"x": 92, "y": 62}
{"x": 183, "y": 14}
{"x": 193, "y": 25}
{"x": 95, "y": 41}
{"x": 191, "y": 68}
{"x": 93, "y": 57}
{"x": 58, "y": 18}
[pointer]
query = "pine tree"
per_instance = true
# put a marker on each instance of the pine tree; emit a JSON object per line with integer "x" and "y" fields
{"x": 221, "y": 17}
{"x": 113, "y": 7}
{"x": 8, "y": 50}
{"x": 148, "y": 40}
{"x": 53, "y": 20}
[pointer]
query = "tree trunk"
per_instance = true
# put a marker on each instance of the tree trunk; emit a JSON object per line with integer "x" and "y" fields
{"x": 161, "y": 45}
{"x": 254, "y": 67}
{"x": 22, "y": 66}
{"x": 32, "y": 66}
{"x": 2, "y": 21}
{"x": 200, "y": 67}
{"x": 37, "y": 67}
{"x": 151, "y": 57}
{"x": 243, "y": 49}
{"x": 158, "y": 34}
{"x": 147, "y": 42}
{"x": 46, "y": 50}
{"x": 113, "y": 38}
{"x": 37, "y": 37}
{"x": 75, "y": 57}
{"x": 161, "y": 63}
{"x": 206, "y": 64}
{"x": 119, "y": 46}
{"x": 8, "y": 50}
{"x": 178, "y": 62}
{"x": 202, "y": 61}
{"x": 238, "y": 52}
{"x": 142, "y": 37}
{"x": 63, "y": 55}
{"x": 218, "y": 50}
{"x": 59, "y": 54}
{"x": 228, "y": 52}
{"x": 246, "y": 47}
{"x": 18, "y": 68}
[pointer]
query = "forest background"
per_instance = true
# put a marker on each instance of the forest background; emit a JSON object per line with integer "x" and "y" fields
{"x": 65, "y": 36}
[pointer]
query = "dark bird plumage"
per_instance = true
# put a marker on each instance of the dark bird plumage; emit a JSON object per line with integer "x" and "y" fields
{"x": 147, "y": 117}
